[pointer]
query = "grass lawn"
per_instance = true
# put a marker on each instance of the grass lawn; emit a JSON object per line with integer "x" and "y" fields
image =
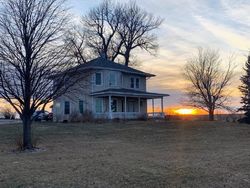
{"x": 133, "y": 154}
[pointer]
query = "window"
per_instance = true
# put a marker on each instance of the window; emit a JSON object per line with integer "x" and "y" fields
{"x": 66, "y": 107}
{"x": 98, "y": 78}
{"x": 98, "y": 105}
{"x": 132, "y": 83}
{"x": 137, "y": 83}
{"x": 112, "y": 79}
{"x": 81, "y": 106}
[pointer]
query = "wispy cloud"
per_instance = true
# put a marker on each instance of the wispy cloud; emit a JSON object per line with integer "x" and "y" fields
{"x": 225, "y": 34}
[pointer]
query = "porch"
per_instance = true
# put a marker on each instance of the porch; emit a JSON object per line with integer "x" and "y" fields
{"x": 126, "y": 104}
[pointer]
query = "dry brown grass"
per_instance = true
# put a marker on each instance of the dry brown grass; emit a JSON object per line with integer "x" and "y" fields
{"x": 132, "y": 154}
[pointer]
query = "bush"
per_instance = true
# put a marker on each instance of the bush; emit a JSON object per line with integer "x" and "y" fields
{"x": 87, "y": 116}
{"x": 143, "y": 117}
{"x": 19, "y": 142}
{"x": 75, "y": 117}
{"x": 244, "y": 120}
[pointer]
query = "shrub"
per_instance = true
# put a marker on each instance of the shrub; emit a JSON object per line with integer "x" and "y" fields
{"x": 87, "y": 116}
{"x": 75, "y": 117}
{"x": 143, "y": 117}
{"x": 19, "y": 142}
{"x": 244, "y": 120}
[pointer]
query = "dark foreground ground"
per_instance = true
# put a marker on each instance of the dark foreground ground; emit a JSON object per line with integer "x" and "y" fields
{"x": 132, "y": 154}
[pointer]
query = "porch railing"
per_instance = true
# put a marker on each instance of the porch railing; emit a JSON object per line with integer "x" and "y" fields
{"x": 156, "y": 115}
{"x": 130, "y": 115}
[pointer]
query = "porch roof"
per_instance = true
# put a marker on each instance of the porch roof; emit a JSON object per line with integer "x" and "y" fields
{"x": 128, "y": 93}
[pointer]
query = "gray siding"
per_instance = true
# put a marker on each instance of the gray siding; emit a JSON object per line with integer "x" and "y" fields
{"x": 82, "y": 90}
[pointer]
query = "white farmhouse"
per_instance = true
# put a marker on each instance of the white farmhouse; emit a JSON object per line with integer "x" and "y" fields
{"x": 109, "y": 90}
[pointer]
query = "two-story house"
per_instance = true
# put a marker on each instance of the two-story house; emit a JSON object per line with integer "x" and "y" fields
{"x": 109, "y": 90}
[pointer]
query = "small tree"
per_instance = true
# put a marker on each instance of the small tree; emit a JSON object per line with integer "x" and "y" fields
{"x": 245, "y": 90}
{"x": 208, "y": 81}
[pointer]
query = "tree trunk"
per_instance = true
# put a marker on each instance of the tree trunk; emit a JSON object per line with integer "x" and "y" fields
{"x": 211, "y": 115}
{"x": 27, "y": 142}
{"x": 126, "y": 56}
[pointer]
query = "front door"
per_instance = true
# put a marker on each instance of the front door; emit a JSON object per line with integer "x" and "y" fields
{"x": 114, "y": 105}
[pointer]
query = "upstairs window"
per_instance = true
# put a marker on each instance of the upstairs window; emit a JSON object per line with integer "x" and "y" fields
{"x": 132, "y": 83}
{"x": 112, "y": 79}
{"x": 81, "y": 106}
{"x": 137, "y": 83}
{"x": 66, "y": 107}
{"x": 98, "y": 78}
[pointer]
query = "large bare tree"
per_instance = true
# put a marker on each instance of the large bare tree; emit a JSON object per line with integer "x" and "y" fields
{"x": 115, "y": 30}
{"x": 208, "y": 81}
{"x": 31, "y": 52}
{"x": 101, "y": 25}
{"x": 136, "y": 31}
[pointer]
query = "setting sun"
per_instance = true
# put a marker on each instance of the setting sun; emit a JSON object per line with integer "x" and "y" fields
{"x": 186, "y": 111}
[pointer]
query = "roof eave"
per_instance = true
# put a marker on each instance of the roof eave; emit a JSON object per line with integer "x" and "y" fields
{"x": 146, "y": 95}
{"x": 124, "y": 71}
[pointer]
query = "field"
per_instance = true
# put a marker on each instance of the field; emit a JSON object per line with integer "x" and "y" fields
{"x": 130, "y": 154}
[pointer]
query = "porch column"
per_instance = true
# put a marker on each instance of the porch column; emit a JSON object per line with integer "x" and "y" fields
{"x": 125, "y": 107}
{"x": 162, "y": 107}
{"x": 139, "y": 106}
{"x": 153, "y": 107}
{"x": 110, "y": 109}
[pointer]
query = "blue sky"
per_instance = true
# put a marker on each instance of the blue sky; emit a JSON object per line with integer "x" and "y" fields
{"x": 188, "y": 24}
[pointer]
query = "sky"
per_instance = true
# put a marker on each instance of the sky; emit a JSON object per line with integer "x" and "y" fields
{"x": 223, "y": 25}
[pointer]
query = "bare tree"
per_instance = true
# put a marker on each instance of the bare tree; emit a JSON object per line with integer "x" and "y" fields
{"x": 75, "y": 41}
{"x": 136, "y": 31}
{"x": 31, "y": 54}
{"x": 115, "y": 30}
{"x": 208, "y": 81}
{"x": 101, "y": 25}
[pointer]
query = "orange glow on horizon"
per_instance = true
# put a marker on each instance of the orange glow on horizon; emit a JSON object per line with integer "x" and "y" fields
{"x": 186, "y": 111}
{"x": 179, "y": 110}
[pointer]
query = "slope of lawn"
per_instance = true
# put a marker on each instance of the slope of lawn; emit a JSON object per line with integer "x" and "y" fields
{"x": 130, "y": 154}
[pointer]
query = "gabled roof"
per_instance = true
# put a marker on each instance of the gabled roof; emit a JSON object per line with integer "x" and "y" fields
{"x": 102, "y": 63}
{"x": 128, "y": 93}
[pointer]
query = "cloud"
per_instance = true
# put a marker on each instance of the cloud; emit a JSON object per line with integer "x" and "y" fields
{"x": 237, "y": 10}
{"x": 225, "y": 34}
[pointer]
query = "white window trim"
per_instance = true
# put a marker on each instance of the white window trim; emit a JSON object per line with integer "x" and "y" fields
{"x": 135, "y": 78}
{"x": 101, "y": 78}
{"x": 116, "y": 81}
